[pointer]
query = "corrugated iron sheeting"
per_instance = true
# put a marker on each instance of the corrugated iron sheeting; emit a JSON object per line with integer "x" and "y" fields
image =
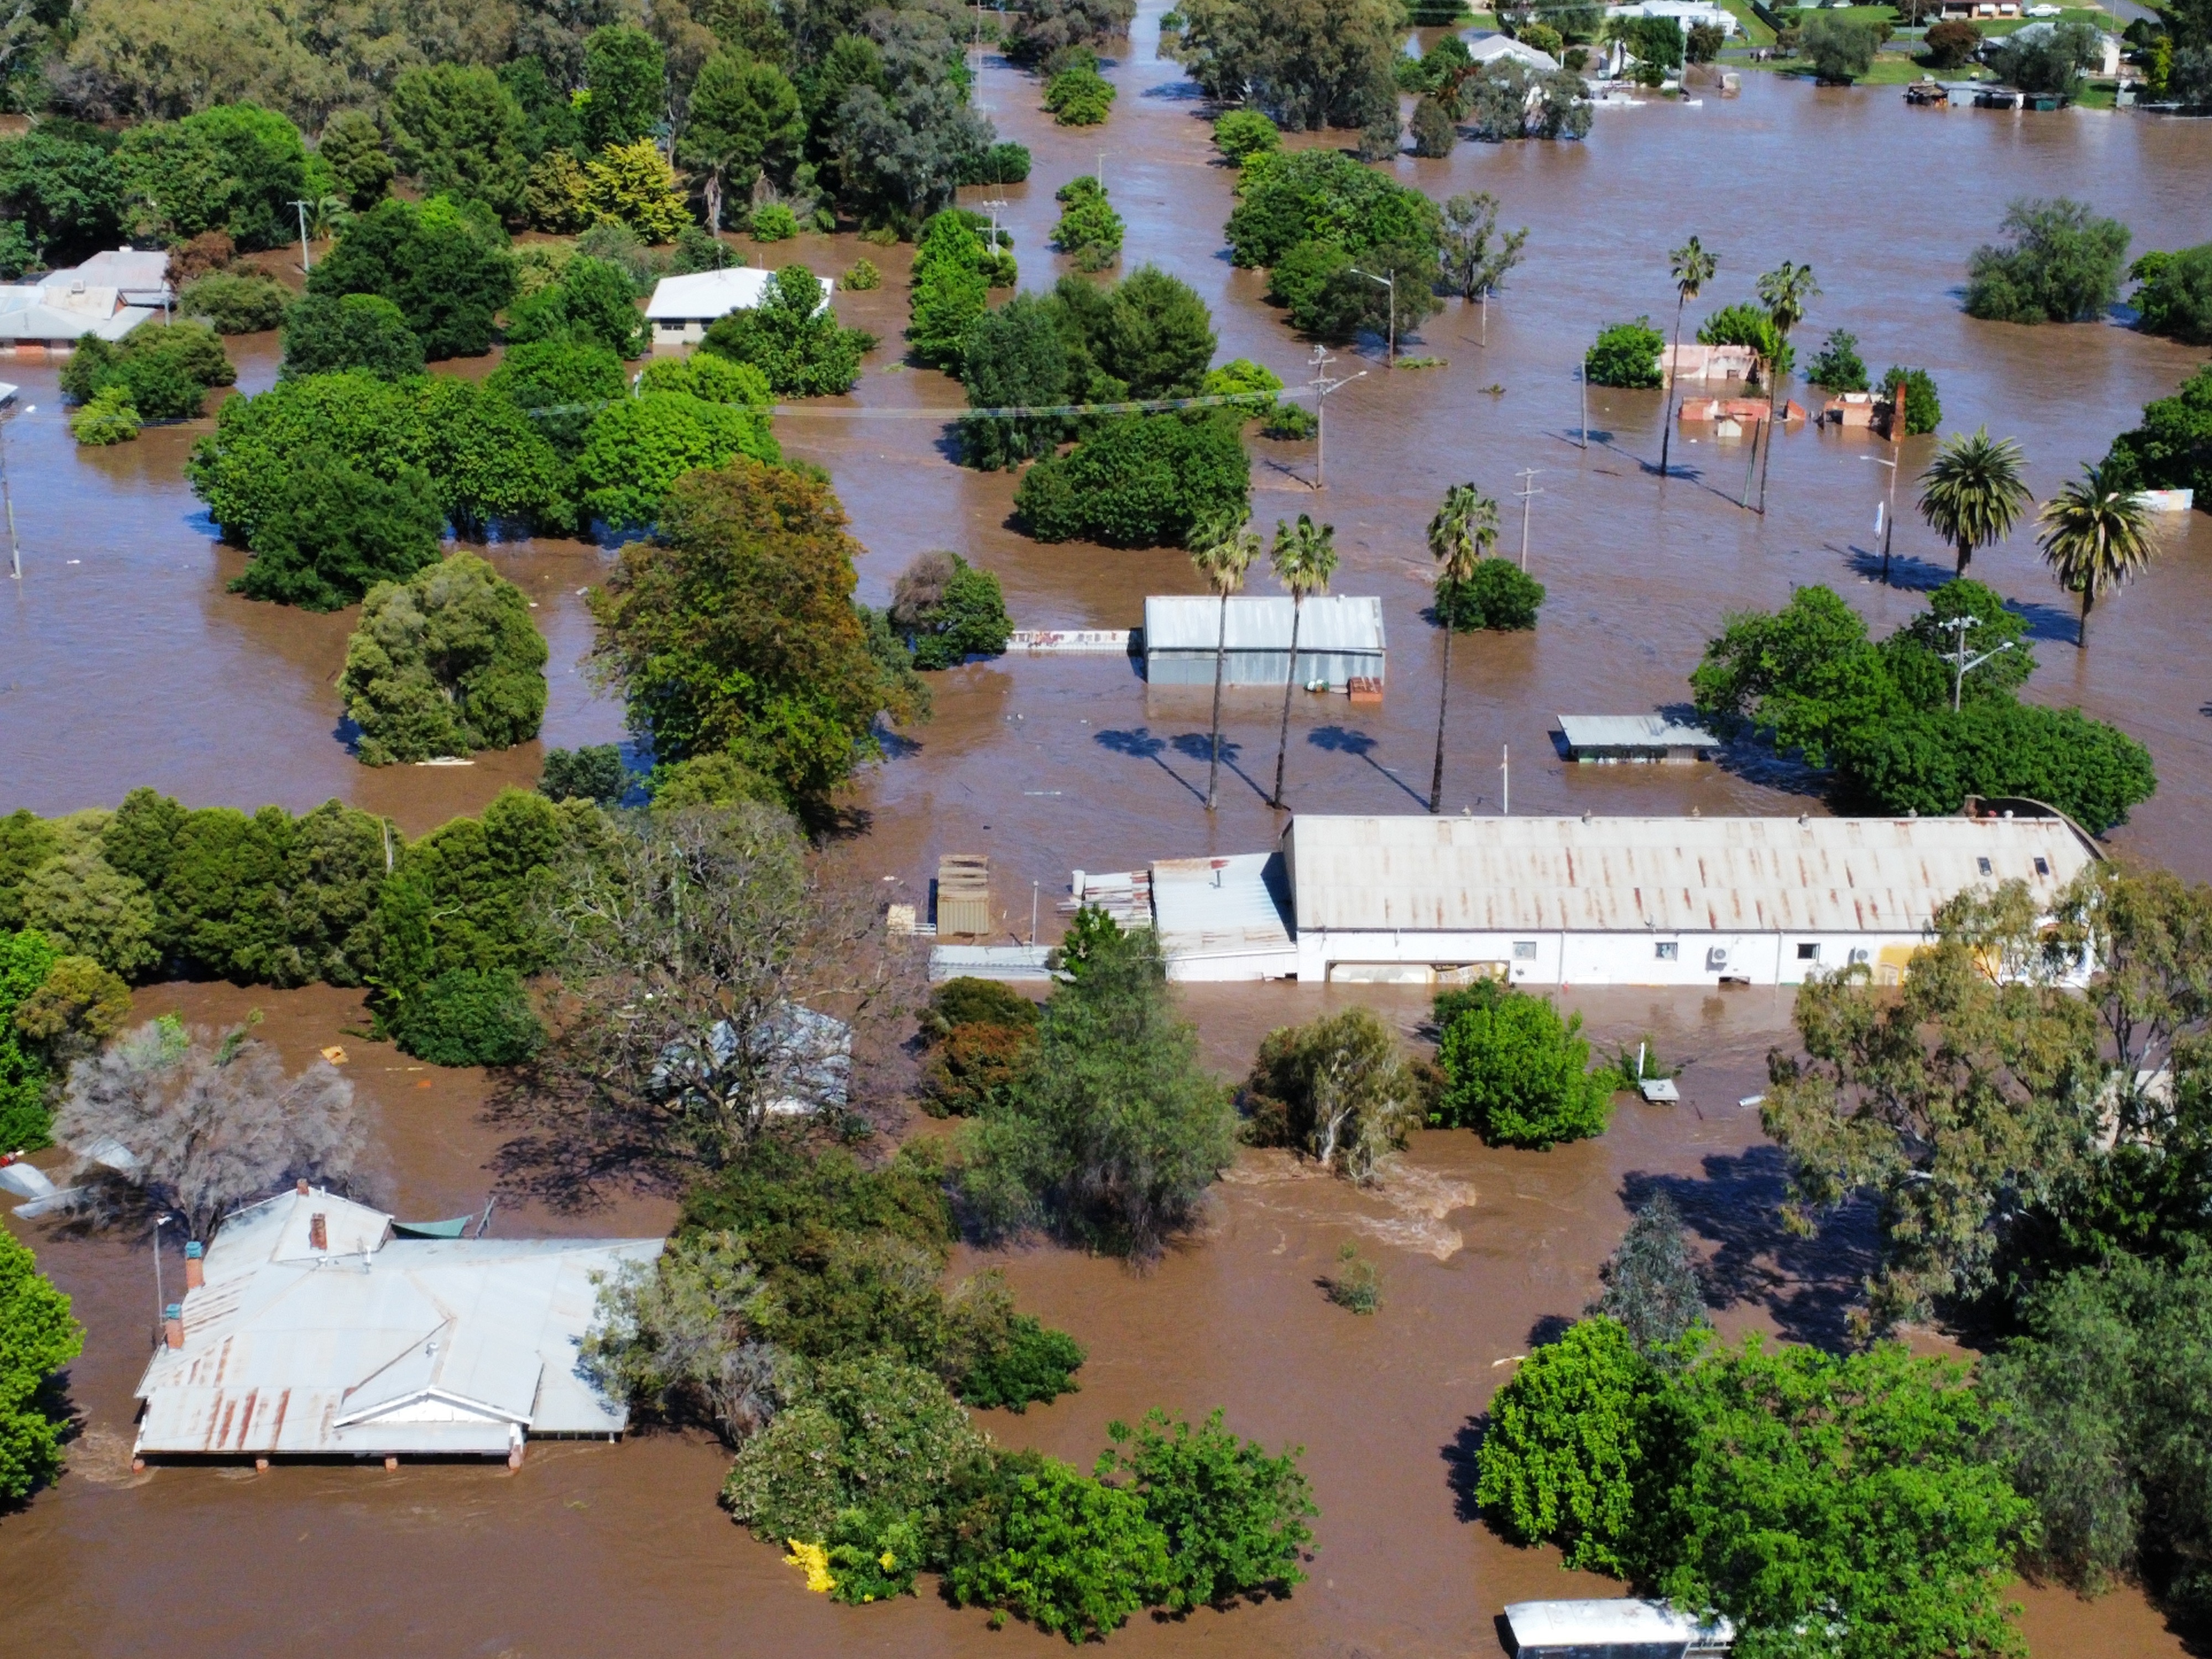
{"x": 1817, "y": 875}
{"x": 1221, "y": 906}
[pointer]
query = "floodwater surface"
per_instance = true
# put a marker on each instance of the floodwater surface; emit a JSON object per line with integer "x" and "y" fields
{"x": 124, "y": 660}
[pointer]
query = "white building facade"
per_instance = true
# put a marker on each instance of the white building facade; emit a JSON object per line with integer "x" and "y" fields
{"x": 683, "y": 308}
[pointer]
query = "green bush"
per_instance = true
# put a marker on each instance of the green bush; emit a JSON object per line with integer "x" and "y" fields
{"x": 792, "y": 1202}
{"x": 793, "y": 338}
{"x": 2175, "y": 298}
{"x": 1839, "y": 49}
{"x": 2062, "y": 265}
{"x": 364, "y": 331}
{"x": 165, "y": 370}
{"x": 966, "y": 1001}
{"x": 1036, "y": 1363}
{"x": 1080, "y": 97}
{"x": 235, "y": 304}
{"x": 107, "y": 418}
{"x": 39, "y": 1335}
{"x": 636, "y": 448}
{"x": 1089, "y": 230}
{"x": 446, "y": 663}
{"x": 1498, "y": 594}
{"x": 1519, "y": 1076}
{"x": 2172, "y": 448}
{"x": 1141, "y": 481}
{"x": 468, "y": 1018}
{"x": 862, "y": 277}
{"x": 1837, "y": 367}
{"x": 1241, "y": 134}
{"x": 594, "y": 772}
{"x": 1928, "y": 761}
{"x": 1564, "y": 1446}
{"x": 334, "y": 531}
{"x": 560, "y": 384}
{"x": 950, "y": 289}
{"x": 1745, "y": 324}
{"x": 1924, "y": 409}
{"x": 1626, "y": 355}
{"x": 26, "y": 961}
{"x": 1235, "y": 1517}
{"x": 1002, "y": 163}
{"x": 443, "y": 264}
{"x": 947, "y": 610}
{"x": 774, "y": 223}
{"x": 1292, "y": 196}
{"x": 1077, "y": 1558}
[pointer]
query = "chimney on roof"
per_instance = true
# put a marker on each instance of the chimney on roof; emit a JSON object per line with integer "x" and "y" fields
{"x": 301, "y": 1186}
{"x": 319, "y": 1232}
{"x": 195, "y": 1264}
{"x": 172, "y": 1325}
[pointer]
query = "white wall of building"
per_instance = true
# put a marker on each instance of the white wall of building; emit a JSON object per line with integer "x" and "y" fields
{"x": 1603, "y": 959}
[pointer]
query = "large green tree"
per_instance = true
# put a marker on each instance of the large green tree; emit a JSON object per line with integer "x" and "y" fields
{"x": 2063, "y": 265}
{"x": 1306, "y": 62}
{"x": 442, "y": 268}
{"x": 458, "y": 130}
{"x": 39, "y": 1336}
{"x": 793, "y": 338}
{"x": 743, "y": 116}
{"x": 445, "y": 663}
{"x": 335, "y": 529}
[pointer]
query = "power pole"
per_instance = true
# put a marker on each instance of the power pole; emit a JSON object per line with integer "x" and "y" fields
{"x": 304, "y": 267}
{"x": 1527, "y": 492}
{"x": 15, "y": 547}
{"x": 1886, "y": 514}
{"x": 1390, "y": 283}
{"x": 1322, "y": 385}
{"x": 1505, "y": 777}
{"x": 1582, "y": 374}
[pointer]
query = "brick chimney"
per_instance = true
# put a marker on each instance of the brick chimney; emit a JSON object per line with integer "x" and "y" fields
{"x": 172, "y": 1325}
{"x": 319, "y": 1232}
{"x": 301, "y": 1186}
{"x": 195, "y": 1264}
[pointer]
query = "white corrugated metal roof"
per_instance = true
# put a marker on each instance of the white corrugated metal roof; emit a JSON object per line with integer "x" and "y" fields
{"x": 1332, "y": 621}
{"x": 1632, "y": 731}
{"x": 704, "y": 295}
{"x": 1541, "y": 1626}
{"x": 1754, "y": 875}
{"x": 1221, "y": 906}
{"x": 375, "y": 1347}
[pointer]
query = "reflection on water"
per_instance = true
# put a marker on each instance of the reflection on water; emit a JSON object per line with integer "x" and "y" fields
{"x": 132, "y": 664}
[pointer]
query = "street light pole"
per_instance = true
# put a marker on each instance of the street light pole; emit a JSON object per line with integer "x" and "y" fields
{"x": 15, "y": 547}
{"x": 1959, "y": 625}
{"x": 1527, "y": 492}
{"x": 1390, "y": 283}
{"x": 1889, "y": 521}
{"x": 160, "y": 1297}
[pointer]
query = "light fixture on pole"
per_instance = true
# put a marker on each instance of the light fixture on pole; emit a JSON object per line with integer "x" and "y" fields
{"x": 1886, "y": 528}
{"x": 1322, "y": 385}
{"x": 160, "y": 1297}
{"x": 1961, "y": 666}
{"x": 304, "y": 267}
{"x": 1390, "y": 283}
{"x": 15, "y": 547}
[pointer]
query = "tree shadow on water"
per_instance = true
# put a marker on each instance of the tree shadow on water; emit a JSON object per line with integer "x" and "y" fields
{"x": 1198, "y": 746}
{"x": 1341, "y": 740}
{"x": 1809, "y": 1285}
{"x": 1141, "y": 745}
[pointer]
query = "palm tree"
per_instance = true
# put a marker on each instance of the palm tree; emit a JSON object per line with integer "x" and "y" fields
{"x": 2094, "y": 538}
{"x": 1223, "y": 550}
{"x": 1302, "y": 559}
{"x": 1691, "y": 268}
{"x": 1464, "y": 529}
{"x": 1972, "y": 493}
{"x": 1785, "y": 292}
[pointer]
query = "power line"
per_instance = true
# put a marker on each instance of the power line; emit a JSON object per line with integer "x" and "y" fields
{"x": 1011, "y": 412}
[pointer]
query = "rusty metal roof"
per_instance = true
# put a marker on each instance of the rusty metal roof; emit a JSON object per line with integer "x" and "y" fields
{"x": 379, "y": 1346}
{"x": 1694, "y": 875}
{"x": 1221, "y": 906}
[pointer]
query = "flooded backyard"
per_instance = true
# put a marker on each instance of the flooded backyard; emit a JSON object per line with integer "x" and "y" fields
{"x": 124, "y": 661}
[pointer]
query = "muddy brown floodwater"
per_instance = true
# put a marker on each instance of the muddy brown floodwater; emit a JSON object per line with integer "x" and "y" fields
{"x": 122, "y": 661}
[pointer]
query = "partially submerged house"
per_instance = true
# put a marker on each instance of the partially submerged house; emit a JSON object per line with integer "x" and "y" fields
{"x": 1593, "y": 901}
{"x": 1341, "y": 640}
{"x": 309, "y": 1329}
{"x": 1608, "y": 738}
{"x": 682, "y": 308}
{"x": 107, "y": 296}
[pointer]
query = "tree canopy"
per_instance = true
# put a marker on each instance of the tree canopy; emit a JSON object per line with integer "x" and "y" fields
{"x": 2062, "y": 265}
{"x": 446, "y": 663}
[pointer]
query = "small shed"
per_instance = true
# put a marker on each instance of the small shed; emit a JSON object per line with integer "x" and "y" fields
{"x": 1621, "y": 1627}
{"x": 1606, "y": 738}
{"x": 1339, "y": 639}
{"x": 683, "y": 307}
{"x": 963, "y": 895}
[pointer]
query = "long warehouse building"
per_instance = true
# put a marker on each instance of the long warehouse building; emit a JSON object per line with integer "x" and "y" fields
{"x": 1594, "y": 900}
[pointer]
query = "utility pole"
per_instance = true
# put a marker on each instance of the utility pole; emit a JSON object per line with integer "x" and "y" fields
{"x": 1582, "y": 373}
{"x": 1887, "y": 514}
{"x": 1527, "y": 492}
{"x": 1750, "y": 461}
{"x": 304, "y": 266}
{"x": 1390, "y": 283}
{"x": 160, "y": 1297}
{"x": 15, "y": 547}
{"x": 1505, "y": 779}
{"x": 1486, "y": 316}
{"x": 1959, "y": 625}
{"x": 1102, "y": 170}
{"x": 1322, "y": 385}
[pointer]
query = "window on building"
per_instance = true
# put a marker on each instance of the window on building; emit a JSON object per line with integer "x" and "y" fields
{"x": 2043, "y": 866}
{"x": 1858, "y": 957}
{"x": 1983, "y": 865}
{"x": 1524, "y": 950}
{"x": 1808, "y": 953}
{"x": 1668, "y": 952}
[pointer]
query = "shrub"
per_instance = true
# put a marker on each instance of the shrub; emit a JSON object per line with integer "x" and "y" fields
{"x": 637, "y": 448}
{"x": 1435, "y": 130}
{"x": 1002, "y": 163}
{"x": 1290, "y": 197}
{"x": 1743, "y": 325}
{"x": 107, "y": 418}
{"x": 1562, "y": 1447}
{"x": 1519, "y": 1076}
{"x": 1336, "y": 1088}
{"x": 594, "y": 772}
{"x": 39, "y": 1335}
{"x": 1837, "y": 366}
{"x": 863, "y": 276}
{"x": 467, "y": 1017}
{"x": 1235, "y": 1517}
{"x": 1080, "y": 97}
{"x": 774, "y": 223}
{"x": 793, "y": 338}
{"x": 1952, "y": 44}
{"x": 335, "y": 529}
{"x": 1241, "y": 134}
{"x": 1089, "y": 230}
{"x": 947, "y": 610}
{"x": 633, "y": 185}
{"x": 1509, "y": 99}
{"x": 449, "y": 274}
{"x": 2062, "y": 265}
{"x": 1924, "y": 410}
{"x": 1839, "y": 49}
{"x": 2175, "y": 298}
{"x": 165, "y": 370}
{"x": 364, "y": 331}
{"x": 2172, "y": 448}
{"x": 445, "y": 664}
{"x": 235, "y": 304}
{"x": 1499, "y": 595}
{"x": 1626, "y": 355}
{"x": 1141, "y": 481}
{"x": 1929, "y": 761}
{"x": 561, "y": 385}
{"x": 2046, "y": 57}
{"x": 1077, "y": 1558}
{"x": 1357, "y": 1284}
{"x": 1021, "y": 1362}
{"x": 950, "y": 289}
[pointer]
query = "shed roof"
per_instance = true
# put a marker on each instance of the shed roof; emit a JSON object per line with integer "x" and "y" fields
{"x": 1597, "y": 1624}
{"x": 1332, "y": 621}
{"x": 378, "y": 1345}
{"x": 706, "y": 295}
{"x": 1695, "y": 875}
{"x": 1632, "y": 731}
{"x": 1221, "y": 906}
{"x": 58, "y": 315}
{"x": 1489, "y": 48}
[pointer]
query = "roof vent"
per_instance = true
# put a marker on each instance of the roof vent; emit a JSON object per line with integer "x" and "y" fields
{"x": 1586, "y": 817}
{"x": 319, "y": 1232}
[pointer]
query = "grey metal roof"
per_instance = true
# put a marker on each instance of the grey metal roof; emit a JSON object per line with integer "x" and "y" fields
{"x": 1632, "y": 731}
{"x": 1544, "y": 1627}
{"x": 1332, "y": 621}
{"x": 46, "y": 314}
{"x": 379, "y": 1346}
{"x": 1221, "y": 906}
{"x": 704, "y": 295}
{"x": 1751, "y": 875}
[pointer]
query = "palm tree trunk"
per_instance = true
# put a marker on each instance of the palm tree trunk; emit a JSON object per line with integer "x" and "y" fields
{"x": 2082, "y": 632}
{"x": 1289, "y": 683}
{"x": 1773, "y": 397}
{"x": 1966, "y": 554}
{"x": 1220, "y": 651}
{"x": 1443, "y": 696}
{"x": 1666, "y": 431}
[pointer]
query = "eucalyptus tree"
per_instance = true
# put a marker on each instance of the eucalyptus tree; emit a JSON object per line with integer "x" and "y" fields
{"x": 1304, "y": 558}
{"x": 1223, "y": 550}
{"x": 1463, "y": 531}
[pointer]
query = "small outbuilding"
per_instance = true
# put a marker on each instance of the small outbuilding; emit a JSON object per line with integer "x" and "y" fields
{"x": 1340, "y": 641}
{"x": 1618, "y": 1628}
{"x": 1604, "y": 737}
{"x": 682, "y": 308}
{"x": 1487, "y": 49}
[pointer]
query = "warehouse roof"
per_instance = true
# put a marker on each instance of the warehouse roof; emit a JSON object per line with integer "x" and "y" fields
{"x": 1221, "y": 906}
{"x": 706, "y": 295}
{"x": 1332, "y": 621}
{"x": 1763, "y": 875}
{"x": 375, "y": 1345}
